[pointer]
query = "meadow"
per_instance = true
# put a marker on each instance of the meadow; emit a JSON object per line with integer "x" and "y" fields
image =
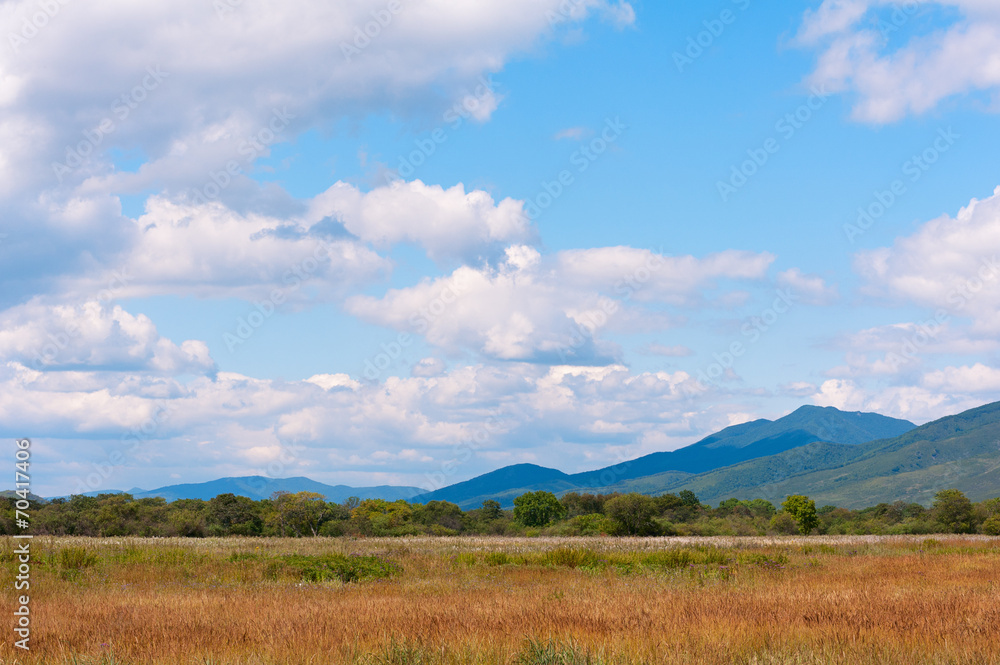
{"x": 904, "y": 600}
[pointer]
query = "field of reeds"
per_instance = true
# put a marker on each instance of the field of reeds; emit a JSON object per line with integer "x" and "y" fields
{"x": 761, "y": 601}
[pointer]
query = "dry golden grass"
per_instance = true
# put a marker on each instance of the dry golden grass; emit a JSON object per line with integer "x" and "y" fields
{"x": 852, "y": 600}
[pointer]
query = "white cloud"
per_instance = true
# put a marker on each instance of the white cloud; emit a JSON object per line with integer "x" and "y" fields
{"x": 94, "y": 337}
{"x": 447, "y": 223}
{"x": 428, "y": 367}
{"x": 914, "y": 77}
{"x": 950, "y": 263}
{"x": 192, "y": 94}
{"x": 550, "y": 308}
{"x": 915, "y": 403}
{"x": 975, "y": 379}
{"x": 811, "y": 289}
{"x": 209, "y": 250}
{"x": 334, "y": 428}
{"x": 656, "y": 349}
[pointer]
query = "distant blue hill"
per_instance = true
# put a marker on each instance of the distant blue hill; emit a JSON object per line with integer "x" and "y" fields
{"x": 260, "y": 487}
{"x": 732, "y": 445}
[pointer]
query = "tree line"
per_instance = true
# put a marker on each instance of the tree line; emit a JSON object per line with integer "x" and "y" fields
{"x": 305, "y": 514}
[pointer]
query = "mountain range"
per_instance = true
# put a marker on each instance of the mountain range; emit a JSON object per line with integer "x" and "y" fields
{"x": 848, "y": 459}
{"x": 262, "y": 487}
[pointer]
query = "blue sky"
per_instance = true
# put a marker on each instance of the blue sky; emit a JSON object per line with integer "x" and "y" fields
{"x": 514, "y": 224}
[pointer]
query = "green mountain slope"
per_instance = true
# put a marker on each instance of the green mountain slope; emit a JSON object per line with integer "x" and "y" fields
{"x": 651, "y": 473}
{"x": 961, "y": 451}
{"x": 758, "y": 438}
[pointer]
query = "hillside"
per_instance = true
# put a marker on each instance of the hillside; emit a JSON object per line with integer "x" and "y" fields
{"x": 758, "y": 438}
{"x": 961, "y": 451}
{"x": 260, "y": 487}
{"x": 650, "y": 473}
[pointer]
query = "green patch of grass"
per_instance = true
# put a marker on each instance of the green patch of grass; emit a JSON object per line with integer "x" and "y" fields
{"x": 762, "y": 560}
{"x": 497, "y": 559}
{"x": 552, "y": 652}
{"x": 330, "y": 567}
{"x": 237, "y": 557}
{"x": 571, "y": 558}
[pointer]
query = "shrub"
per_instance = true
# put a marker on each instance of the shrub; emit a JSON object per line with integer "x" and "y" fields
{"x": 991, "y": 527}
{"x": 571, "y": 558}
{"x": 76, "y": 558}
{"x": 783, "y": 523}
{"x": 328, "y": 567}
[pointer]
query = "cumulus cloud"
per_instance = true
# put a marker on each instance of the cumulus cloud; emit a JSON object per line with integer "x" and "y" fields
{"x": 94, "y": 337}
{"x": 200, "y": 97}
{"x": 950, "y": 263}
{"x": 238, "y": 425}
{"x": 977, "y": 378}
{"x": 918, "y": 403}
{"x": 447, "y": 223}
{"x": 914, "y": 77}
{"x": 549, "y": 308}
{"x": 811, "y": 289}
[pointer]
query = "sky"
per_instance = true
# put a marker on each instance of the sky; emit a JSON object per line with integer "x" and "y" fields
{"x": 411, "y": 241}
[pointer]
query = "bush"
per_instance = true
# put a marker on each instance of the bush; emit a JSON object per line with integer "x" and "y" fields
{"x": 633, "y": 514}
{"x": 784, "y": 524}
{"x": 331, "y": 567}
{"x": 585, "y": 525}
{"x": 991, "y": 527}
{"x": 571, "y": 558}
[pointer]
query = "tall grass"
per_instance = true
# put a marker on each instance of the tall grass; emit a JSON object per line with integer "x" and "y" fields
{"x": 483, "y": 601}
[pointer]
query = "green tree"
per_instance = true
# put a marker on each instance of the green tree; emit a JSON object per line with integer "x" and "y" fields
{"x": 491, "y": 510}
{"x": 235, "y": 515}
{"x": 299, "y": 513}
{"x": 689, "y": 498}
{"x": 803, "y": 511}
{"x": 538, "y": 508}
{"x": 633, "y": 514}
{"x": 441, "y": 513}
{"x": 953, "y": 511}
{"x": 378, "y": 517}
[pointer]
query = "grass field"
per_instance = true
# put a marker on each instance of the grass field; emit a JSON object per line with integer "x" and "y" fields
{"x": 872, "y": 600}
